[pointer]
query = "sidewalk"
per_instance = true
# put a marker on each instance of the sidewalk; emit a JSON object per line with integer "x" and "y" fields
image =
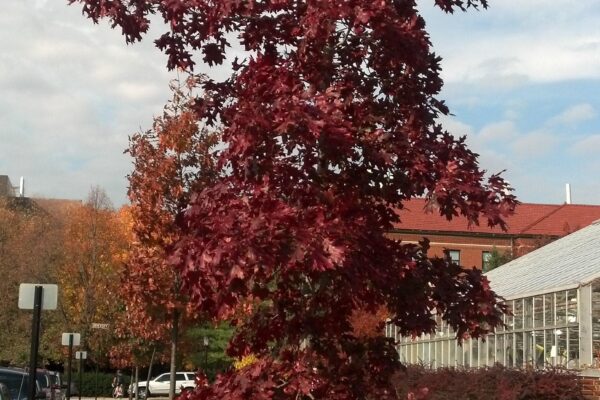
{"x": 110, "y": 398}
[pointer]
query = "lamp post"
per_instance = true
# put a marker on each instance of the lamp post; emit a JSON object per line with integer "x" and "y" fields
{"x": 205, "y": 341}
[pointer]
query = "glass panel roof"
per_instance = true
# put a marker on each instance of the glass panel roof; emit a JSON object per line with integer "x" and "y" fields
{"x": 566, "y": 263}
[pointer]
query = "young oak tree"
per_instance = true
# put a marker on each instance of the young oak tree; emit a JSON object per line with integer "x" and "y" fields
{"x": 171, "y": 161}
{"x": 329, "y": 126}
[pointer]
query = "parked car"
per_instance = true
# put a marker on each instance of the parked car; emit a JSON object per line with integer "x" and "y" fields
{"x": 160, "y": 384}
{"x": 74, "y": 388}
{"x": 4, "y": 392}
{"x": 51, "y": 384}
{"x": 17, "y": 381}
{"x": 57, "y": 385}
{"x": 44, "y": 379}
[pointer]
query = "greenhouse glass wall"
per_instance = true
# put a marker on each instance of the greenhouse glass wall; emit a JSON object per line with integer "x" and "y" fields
{"x": 554, "y": 295}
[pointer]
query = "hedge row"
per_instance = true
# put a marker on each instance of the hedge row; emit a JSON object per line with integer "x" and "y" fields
{"x": 96, "y": 384}
{"x": 495, "y": 383}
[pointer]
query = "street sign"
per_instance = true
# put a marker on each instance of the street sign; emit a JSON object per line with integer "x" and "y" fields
{"x": 100, "y": 326}
{"x": 70, "y": 339}
{"x": 80, "y": 355}
{"x": 36, "y": 297}
{"x": 49, "y": 296}
{"x": 76, "y": 339}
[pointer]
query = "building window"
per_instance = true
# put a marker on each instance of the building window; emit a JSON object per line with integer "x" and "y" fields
{"x": 454, "y": 256}
{"x": 486, "y": 257}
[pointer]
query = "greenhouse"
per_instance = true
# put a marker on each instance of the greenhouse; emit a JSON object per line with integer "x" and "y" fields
{"x": 554, "y": 295}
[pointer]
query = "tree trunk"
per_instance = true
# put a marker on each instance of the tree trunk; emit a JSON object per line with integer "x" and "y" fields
{"x": 150, "y": 373}
{"x": 137, "y": 379}
{"x": 174, "y": 339}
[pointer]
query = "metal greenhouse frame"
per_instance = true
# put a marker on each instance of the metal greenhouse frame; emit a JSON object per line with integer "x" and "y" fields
{"x": 554, "y": 295}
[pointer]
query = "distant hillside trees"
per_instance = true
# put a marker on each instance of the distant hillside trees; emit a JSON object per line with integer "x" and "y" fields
{"x": 77, "y": 245}
{"x": 30, "y": 251}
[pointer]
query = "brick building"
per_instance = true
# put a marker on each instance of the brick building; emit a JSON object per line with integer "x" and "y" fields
{"x": 14, "y": 198}
{"x": 6, "y": 187}
{"x": 532, "y": 226}
{"x": 554, "y": 296}
{"x": 10, "y": 196}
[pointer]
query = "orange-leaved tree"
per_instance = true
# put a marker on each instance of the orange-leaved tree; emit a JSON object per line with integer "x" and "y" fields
{"x": 95, "y": 241}
{"x": 171, "y": 161}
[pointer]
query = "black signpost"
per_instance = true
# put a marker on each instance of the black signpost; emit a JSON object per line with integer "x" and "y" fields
{"x": 69, "y": 369}
{"x": 70, "y": 339}
{"x": 36, "y": 297}
{"x": 80, "y": 355}
{"x": 35, "y": 339}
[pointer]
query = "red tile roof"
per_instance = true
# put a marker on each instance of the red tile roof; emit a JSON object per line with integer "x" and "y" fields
{"x": 528, "y": 219}
{"x": 567, "y": 218}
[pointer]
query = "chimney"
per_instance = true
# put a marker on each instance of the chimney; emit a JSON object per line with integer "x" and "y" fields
{"x": 568, "y": 193}
{"x": 22, "y": 187}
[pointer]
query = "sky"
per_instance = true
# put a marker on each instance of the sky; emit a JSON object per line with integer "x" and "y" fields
{"x": 522, "y": 80}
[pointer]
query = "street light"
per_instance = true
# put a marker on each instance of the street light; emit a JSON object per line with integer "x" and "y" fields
{"x": 205, "y": 341}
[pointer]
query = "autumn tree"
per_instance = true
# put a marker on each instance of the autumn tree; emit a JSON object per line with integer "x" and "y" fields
{"x": 329, "y": 126}
{"x": 30, "y": 252}
{"x": 11, "y": 228}
{"x": 77, "y": 245}
{"x": 171, "y": 161}
{"x": 94, "y": 244}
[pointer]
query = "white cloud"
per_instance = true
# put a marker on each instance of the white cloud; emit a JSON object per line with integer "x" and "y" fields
{"x": 516, "y": 41}
{"x": 454, "y": 126}
{"x": 535, "y": 144}
{"x": 589, "y": 145}
{"x": 72, "y": 93}
{"x": 574, "y": 114}
{"x": 137, "y": 91}
{"x": 519, "y": 58}
{"x": 491, "y": 158}
{"x": 511, "y": 113}
{"x": 499, "y": 131}
{"x": 495, "y": 161}
{"x": 520, "y": 61}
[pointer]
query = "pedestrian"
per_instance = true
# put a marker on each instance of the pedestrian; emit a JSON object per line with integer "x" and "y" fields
{"x": 117, "y": 385}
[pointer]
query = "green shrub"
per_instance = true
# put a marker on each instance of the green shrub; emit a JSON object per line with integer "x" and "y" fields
{"x": 99, "y": 384}
{"x": 215, "y": 360}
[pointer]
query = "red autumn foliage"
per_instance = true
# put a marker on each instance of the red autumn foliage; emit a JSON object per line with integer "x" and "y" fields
{"x": 494, "y": 383}
{"x": 367, "y": 324}
{"x": 329, "y": 126}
